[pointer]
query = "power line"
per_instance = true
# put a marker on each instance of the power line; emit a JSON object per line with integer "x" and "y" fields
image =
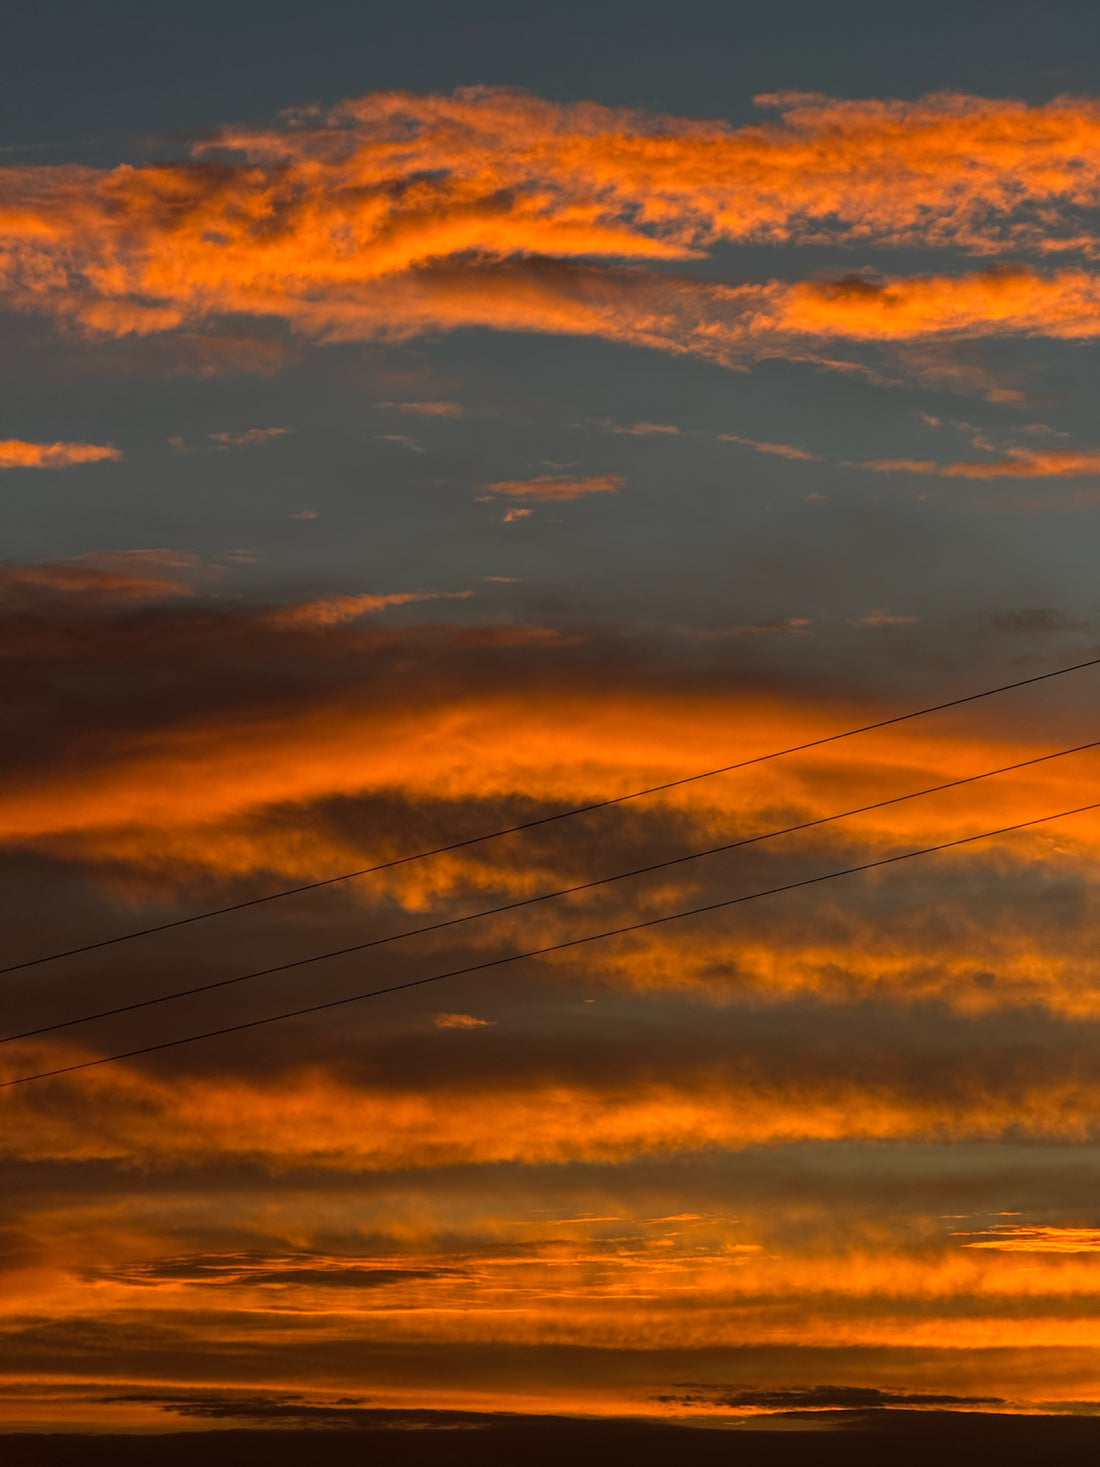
{"x": 474, "y": 840}
{"x": 546, "y": 896}
{"x": 539, "y": 952}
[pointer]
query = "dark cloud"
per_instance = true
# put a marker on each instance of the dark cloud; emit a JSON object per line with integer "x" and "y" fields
{"x": 251, "y": 1269}
{"x": 819, "y": 1398}
{"x": 295, "y": 1410}
{"x": 454, "y": 1439}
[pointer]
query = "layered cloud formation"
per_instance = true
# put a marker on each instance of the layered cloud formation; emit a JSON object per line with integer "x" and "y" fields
{"x": 398, "y": 214}
{"x": 842, "y": 1132}
{"x": 538, "y": 1166}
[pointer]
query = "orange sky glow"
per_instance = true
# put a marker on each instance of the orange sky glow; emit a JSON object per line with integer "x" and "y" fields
{"x": 844, "y": 1132}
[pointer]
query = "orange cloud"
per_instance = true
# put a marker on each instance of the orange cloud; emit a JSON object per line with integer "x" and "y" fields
{"x": 309, "y": 1273}
{"x": 249, "y": 438}
{"x": 545, "y": 738}
{"x": 330, "y": 611}
{"x": 1010, "y": 1238}
{"x": 1020, "y": 463}
{"x": 460, "y": 1021}
{"x": 635, "y": 1281}
{"x": 731, "y": 325}
{"x": 1064, "y": 304}
{"x": 947, "y": 169}
{"x": 616, "y": 1283}
{"x": 396, "y": 214}
{"x": 231, "y": 776}
{"x": 784, "y": 450}
{"x": 16, "y": 454}
{"x": 551, "y": 486}
{"x": 428, "y": 409}
{"x": 314, "y": 1118}
{"x": 106, "y": 576}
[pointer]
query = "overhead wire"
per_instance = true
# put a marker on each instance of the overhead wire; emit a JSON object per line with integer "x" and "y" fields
{"x": 555, "y": 947}
{"x": 541, "y": 820}
{"x": 219, "y": 983}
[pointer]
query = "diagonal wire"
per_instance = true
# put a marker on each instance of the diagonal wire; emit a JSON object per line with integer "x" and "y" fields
{"x": 474, "y": 840}
{"x": 546, "y": 896}
{"x": 538, "y": 952}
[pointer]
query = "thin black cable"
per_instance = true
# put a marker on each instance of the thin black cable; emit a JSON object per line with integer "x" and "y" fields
{"x": 538, "y": 952}
{"x": 545, "y": 896}
{"x": 474, "y": 840}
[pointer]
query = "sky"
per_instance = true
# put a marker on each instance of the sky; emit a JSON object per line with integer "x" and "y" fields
{"x": 417, "y": 426}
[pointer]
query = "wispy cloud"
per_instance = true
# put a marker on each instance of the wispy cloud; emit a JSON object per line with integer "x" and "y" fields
{"x": 817, "y": 1398}
{"x": 1012, "y": 1238}
{"x": 783, "y": 450}
{"x": 15, "y": 453}
{"x": 118, "y": 576}
{"x": 879, "y": 617}
{"x": 250, "y": 1270}
{"x": 330, "y": 611}
{"x": 219, "y": 442}
{"x": 1018, "y": 463}
{"x": 777, "y": 626}
{"x": 248, "y": 438}
{"x": 402, "y": 438}
{"x": 555, "y": 487}
{"x": 428, "y": 409}
{"x": 460, "y": 1021}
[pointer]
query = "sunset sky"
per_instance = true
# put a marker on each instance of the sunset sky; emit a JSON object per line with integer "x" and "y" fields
{"x": 416, "y": 424}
